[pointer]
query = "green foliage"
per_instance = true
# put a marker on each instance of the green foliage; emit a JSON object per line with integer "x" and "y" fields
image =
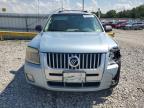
{"x": 111, "y": 14}
{"x": 137, "y": 12}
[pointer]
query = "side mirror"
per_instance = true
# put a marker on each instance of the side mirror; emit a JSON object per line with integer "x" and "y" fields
{"x": 108, "y": 28}
{"x": 38, "y": 28}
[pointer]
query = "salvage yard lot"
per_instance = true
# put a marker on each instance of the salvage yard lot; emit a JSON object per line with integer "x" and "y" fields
{"x": 16, "y": 93}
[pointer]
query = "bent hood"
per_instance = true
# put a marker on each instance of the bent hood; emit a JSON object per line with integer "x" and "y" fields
{"x": 75, "y": 42}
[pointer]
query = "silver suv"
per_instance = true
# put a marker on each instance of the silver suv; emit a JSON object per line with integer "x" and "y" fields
{"x": 73, "y": 53}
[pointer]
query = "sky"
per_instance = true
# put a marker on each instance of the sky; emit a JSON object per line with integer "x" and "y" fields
{"x": 47, "y": 6}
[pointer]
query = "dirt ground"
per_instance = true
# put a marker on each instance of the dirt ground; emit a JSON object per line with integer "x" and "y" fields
{"x": 16, "y": 93}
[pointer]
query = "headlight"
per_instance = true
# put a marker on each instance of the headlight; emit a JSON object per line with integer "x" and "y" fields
{"x": 114, "y": 55}
{"x": 32, "y": 55}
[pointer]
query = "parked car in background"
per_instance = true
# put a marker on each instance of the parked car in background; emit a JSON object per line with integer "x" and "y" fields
{"x": 113, "y": 24}
{"x": 141, "y": 25}
{"x": 107, "y": 23}
{"x": 128, "y": 26}
{"x": 134, "y": 26}
{"x": 120, "y": 25}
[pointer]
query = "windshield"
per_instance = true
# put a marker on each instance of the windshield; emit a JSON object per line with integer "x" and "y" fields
{"x": 73, "y": 23}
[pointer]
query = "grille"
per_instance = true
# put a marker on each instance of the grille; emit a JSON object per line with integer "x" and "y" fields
{"x": 62, "y": 84}
{"x": 86, "y": 60}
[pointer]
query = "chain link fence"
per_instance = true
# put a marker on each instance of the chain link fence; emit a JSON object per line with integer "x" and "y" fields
{"x": 27, "y": 22}
{"x": 21, "y": 22}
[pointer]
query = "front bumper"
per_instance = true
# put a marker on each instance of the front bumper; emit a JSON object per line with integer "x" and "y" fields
{"x": 39, "y": 79}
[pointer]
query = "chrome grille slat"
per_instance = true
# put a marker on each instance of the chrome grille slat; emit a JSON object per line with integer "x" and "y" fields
{"x": 83, "y": 62}
{"x": 87, "y": 60}
{"x": 90, "y": 60}
{"x": 49, "y": 62}
{"x": 98, "y": 59}
{"x": 94, "y": 60}
{"x": 80, "y": 62}
{"x": 60, "y": 60}
{"x": 53, "y": 60}
{"x": 57, "y": 59}
{"x": 64, "y": 61}
{"x": 68, "y": 61}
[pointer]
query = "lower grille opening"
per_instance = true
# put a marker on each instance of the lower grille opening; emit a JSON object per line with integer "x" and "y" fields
{"x": 55, "y": 74}
{"x": 62, "y": 84}
{"x": 58, "y": 84}
{"x": 73, "y": 84}
{"x": 91, "y": 84}
{"x": 92, "y": 74}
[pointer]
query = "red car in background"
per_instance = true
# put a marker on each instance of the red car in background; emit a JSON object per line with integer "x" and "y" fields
{"x": 117, "y": 24}
{"x": 121, "y": 25}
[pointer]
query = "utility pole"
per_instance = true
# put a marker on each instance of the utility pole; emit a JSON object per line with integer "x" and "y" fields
{"x": 83, "y": 5}
{"x": 99, "y": 12}
{"x": 62, "y": 5}
{"x": 38, "y": 11}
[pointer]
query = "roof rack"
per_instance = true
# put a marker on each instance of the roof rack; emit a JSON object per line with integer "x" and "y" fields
{"x": 73, "y": 10}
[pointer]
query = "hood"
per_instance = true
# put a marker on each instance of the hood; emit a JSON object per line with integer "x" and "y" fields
{"x": 75, "y": 42}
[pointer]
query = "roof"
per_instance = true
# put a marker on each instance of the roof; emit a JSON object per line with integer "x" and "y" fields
{"x": 73, "y": 12}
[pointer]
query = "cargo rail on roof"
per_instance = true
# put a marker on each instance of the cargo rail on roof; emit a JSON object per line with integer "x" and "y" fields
{"x": 73, "y": 11}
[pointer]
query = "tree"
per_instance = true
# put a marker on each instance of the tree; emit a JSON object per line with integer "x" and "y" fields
{"x": 137, "y": 12}
{"x": 111, "y": 14}
{"x": 141, "y": 11}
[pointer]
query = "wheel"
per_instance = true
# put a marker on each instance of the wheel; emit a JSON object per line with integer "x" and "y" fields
{"x": 130, "y": 28}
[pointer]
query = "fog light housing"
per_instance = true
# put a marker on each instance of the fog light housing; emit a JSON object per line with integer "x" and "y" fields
{"x": 30, "y": 77}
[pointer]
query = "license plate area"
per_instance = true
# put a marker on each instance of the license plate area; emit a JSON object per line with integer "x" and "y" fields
{"x": 74, "y": 77}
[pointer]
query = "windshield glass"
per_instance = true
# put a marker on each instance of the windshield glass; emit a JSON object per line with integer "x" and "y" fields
{"x": 73, "y": 23}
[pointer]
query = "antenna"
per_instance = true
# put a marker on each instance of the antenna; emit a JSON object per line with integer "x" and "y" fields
{"x": 83, "y": 5}
{"x": 38, "y": 11}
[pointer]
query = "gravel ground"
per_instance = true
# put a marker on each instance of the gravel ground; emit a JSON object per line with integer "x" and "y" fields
{"x": 16, "y": 93}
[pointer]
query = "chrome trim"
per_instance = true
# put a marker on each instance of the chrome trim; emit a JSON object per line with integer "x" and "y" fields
{"x": 64, "y": 61}
{"x": 98, "y": 59}
{"x": 90, "y": 60}
{"x": 67, "y": 61}
{"x": 49, "y": 61}
{"x": 83, "y": 62}
{"x": 79, "y": 62}
{"x": 94, "y": 60}
{"x": 53, "y": 60}
{"x": 86, "y": 60}
{"x": 57, "y": 60}
{"x": 60, "y": 60}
